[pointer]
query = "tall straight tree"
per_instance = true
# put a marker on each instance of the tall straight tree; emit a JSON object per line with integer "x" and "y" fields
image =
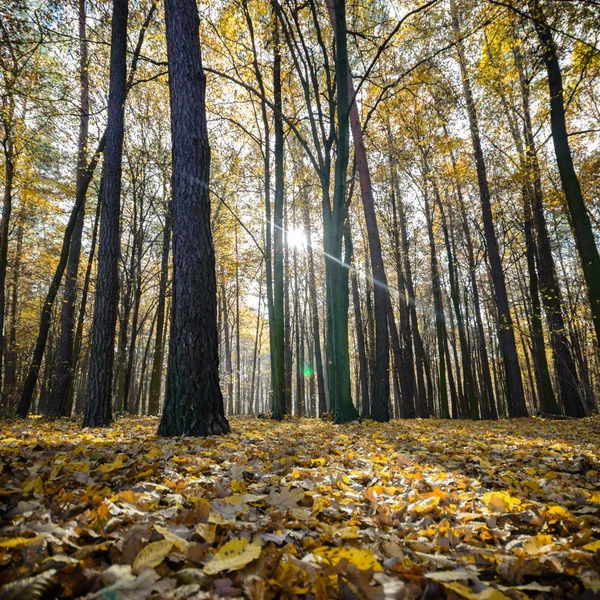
{"x": 98, "y": 405}
{"x": 58, "y": 402}
{"x": 193, "y": 398}
{"x": 580, "y": 220}
{"x": 506, "y": 333}
{"x": 333, "y": 234}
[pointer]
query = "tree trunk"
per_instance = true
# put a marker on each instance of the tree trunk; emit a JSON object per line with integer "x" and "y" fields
{"x": 564, "y": 364}
{"x": 10, "y": 379}
{"x": 312, "y": 288}
{"x": 278, "y": 338}
{"x": 58, "y": 404}
{"x": 506, "y": 334}
{"x": 98, "y": 407}
{"x": 193, "y": 399}
{"x": 157, "y": 361}
{"x": 580, "y": 220}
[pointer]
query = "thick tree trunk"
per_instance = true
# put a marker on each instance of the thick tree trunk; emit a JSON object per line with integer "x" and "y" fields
{"x": 193, "y": 399}
{"x": 506, "y": 334}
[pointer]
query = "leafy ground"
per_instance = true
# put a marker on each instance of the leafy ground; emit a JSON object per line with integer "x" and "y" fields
{"x": 409, "y": 509}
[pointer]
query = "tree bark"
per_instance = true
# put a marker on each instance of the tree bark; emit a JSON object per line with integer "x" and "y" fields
{"x": 193, "y": 399}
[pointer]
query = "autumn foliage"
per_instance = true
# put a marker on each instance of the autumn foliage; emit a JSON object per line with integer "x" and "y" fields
{"x": 427, "y": 508}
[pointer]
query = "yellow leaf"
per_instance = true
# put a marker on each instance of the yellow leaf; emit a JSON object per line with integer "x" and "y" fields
{"x": 593, "y": 546}
{"x": 232, "y": 556}
{"x": 422, "y": 507}
{"x": 537, "y": 544}
{"x": 152, "y": 555}
{"x": 500, "y": 501}
{"x": 18, "y": 541}
{"x": 113, "y": 466}
{"x": 363, "y": 559}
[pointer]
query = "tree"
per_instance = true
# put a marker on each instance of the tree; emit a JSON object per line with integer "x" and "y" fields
{"x": 98, "y": 406}
{"x": 193, "y": 398}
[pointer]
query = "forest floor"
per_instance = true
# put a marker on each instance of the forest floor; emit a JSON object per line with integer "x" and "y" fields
{"x": 408, "y": 509}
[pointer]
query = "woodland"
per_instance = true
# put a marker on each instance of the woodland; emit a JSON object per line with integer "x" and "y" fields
{"x": 300, "y": 298}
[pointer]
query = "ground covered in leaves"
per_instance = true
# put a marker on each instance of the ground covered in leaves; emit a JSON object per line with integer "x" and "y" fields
{"x": 409, "y": 509}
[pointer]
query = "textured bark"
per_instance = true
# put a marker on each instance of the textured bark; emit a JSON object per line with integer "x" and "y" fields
{"x": 193, "y": 399}
{"x": 98, "y": 407}
{"x": 506, "y": 334}
{"x": 580, "y": 220}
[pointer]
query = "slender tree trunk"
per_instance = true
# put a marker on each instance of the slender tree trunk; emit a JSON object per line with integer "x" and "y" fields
{"x": 380, "y": 398}
{"x": 278, "y": 339}
{"x": 440, "y": 324}
{"x": 312, "y": 287}
{"x": 473, "y": 406}
{"x": 58, "y": 404}
{"x": 580, "y": 220}
{"x": 550, "y": 291}
{"x": 228, "y": 363}
{"x": 98, "y": 408}
{"x": 424, "y": 392}
{"x": 80, "y": 193}
{"x": 9, "y": 175}
{"x": 193, "y": 399}
{"x": 506, "y": 334}
{"x": 10, "y": 366}
{"x": 157, "y": 361}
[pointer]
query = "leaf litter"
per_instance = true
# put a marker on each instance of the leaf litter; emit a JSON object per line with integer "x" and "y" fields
{"x": 408, "y": 509}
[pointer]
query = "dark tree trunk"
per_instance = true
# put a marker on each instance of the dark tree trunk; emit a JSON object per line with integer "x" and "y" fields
{"x": 278, "y": 340}
{"x": 9, "y": 175}
{"x": 564, "y": 364}
{"x": 193, "y": 399}
{"x": 440, "y": 325}
{"x": 98, "y": 407}
{"x": 80, "y": 193}
{"x": 10, "y": 379}
{"x": 506, "y": 334}
{"x": 580, "y": 220}
{"x": 469, "y": 391}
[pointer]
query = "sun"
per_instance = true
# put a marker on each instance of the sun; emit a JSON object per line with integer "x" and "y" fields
{"x": 296, "y": 238}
